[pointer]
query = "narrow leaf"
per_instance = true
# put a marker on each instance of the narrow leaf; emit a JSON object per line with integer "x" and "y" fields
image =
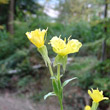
{"x": 52, "y": 77}
{"x": 67, "y": 81}
{"x": 49, "y": 94}
{"x": 55, "y": 86}
{"x": 61, "y": 75}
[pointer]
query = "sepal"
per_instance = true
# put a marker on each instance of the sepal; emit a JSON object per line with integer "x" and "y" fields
{"x": 62, "y": 60}
{"x": 43, "y": 51}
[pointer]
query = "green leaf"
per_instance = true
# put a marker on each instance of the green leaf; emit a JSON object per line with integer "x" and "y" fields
{"x": 67, "y": 81}
{"x": 49, "y": 94}
{"x": 43, "y": 51}
{"x": 62, "y": 60}
{"x": 59, "y": 84}
{"x": 55, "y": 86}
{"x": 61, "y": 92}
{"x": 52, "y": 77}
{"x": 61, "y": 75}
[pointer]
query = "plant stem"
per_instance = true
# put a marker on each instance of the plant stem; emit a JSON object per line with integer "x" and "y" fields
{"x": 60, "y": 96}
{"x": 94, "y": 105}
{"x": 58, "y": 71}
{"x": 61, "y": 105}
{"x": 50, "y": 69}
{"x": 58, "y": 79}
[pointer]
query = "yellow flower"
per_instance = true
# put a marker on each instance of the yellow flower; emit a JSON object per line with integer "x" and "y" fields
{"x": 97, "y": 95}
{"x": 87, "y": 107}
{"x": 37, "y": 37}
{"x": 62, "y": 48}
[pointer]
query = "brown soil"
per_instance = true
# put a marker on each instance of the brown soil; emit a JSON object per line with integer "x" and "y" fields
{"x": 11, "y": 102}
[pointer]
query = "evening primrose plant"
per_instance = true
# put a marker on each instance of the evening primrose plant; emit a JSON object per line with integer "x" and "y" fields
{"x": 62, "y": 48}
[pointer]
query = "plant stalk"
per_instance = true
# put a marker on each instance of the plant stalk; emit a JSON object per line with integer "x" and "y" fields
{"x": 61, "y": 104}
{"x": 58, "y": 71}
{"x": 60, "y": 96}
{"x": 50, "y": 69}
{"x": 94, "y": 105}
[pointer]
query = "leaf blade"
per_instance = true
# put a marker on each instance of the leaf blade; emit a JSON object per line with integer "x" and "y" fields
{"x": 49, "y": 94}
{"x": 67, "y": 81}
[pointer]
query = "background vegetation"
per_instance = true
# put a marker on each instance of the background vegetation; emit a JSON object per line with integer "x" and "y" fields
{"x": 22, "y": 68}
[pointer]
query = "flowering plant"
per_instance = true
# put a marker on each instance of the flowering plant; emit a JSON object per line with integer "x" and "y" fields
{"x": 62, "y": 48}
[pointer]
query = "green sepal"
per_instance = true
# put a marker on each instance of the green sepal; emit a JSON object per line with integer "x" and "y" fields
{"x": 67, "y": 81}
{"x": 55, "y": 86}
{"x": 49, "y": 94}
{"x": 62, "y": 60}
{"x": 43, "y": 51}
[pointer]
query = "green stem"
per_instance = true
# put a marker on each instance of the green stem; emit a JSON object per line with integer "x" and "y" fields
{"x": 60, "y": 96}
{"x": 50, "y": 69}
{"x": 58, "y": 78}
{"x": 94, "y": 105}
{"x": 61, "y": 104}
{"x": 58, "y": 71}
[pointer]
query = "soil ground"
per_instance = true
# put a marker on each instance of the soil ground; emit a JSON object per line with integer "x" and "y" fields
{"x": 11, "y": 102}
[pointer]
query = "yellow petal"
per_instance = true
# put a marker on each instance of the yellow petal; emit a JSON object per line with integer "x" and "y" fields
{"x": 37, "y": 37}
{"x": 97, "y": 95}
{"x": 73, "y": 46}
{"x": 105, "y": 98}
{"x": 57, "y": 44}
{"x": 61, "y": 48}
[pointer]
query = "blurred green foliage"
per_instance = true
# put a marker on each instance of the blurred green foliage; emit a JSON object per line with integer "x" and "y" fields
{"x": 5, "y": 82}
{"x": 14, "y": 49}
{"x": 91, "y": 73}
{"x": 17, "y": 53}
{"x": 25, "y": 81}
